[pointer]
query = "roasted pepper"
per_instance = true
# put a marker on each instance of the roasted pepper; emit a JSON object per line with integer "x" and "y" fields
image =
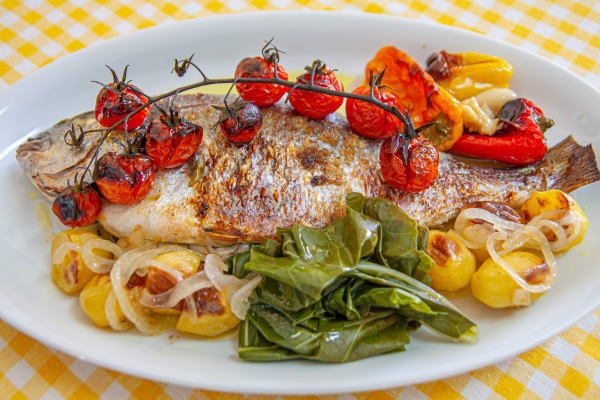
{"x": 467, "y": 74}
{"x": 520, "y": 141}
{"x": 417, "y": 92}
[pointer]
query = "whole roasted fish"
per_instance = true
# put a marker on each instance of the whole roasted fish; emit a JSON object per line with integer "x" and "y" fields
{"x": 297, "y": 170}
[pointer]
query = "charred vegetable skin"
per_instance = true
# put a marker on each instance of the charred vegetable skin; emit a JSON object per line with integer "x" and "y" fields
{"x": 265, "y": 67}
{"x": 349, "y": 291}
{"x": 171, "y": 140}
{"x": 124, "y": 179}
{"x": 240, "y": 122}
{"x": 521, "y": 141}
{"x": 77, "y": 205}
{"x": 467, "y": 74}
{"x": 118, "y": 100}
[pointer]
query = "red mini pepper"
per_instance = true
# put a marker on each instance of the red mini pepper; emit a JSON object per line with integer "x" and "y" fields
{"x": 521, "y": 141}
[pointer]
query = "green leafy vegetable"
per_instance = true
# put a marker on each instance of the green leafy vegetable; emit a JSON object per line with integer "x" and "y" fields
{"x": 345, "y": 292}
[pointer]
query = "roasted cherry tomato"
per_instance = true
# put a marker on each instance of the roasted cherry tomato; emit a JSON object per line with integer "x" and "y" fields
{"x": 410, "y": 167}
{"x": 77, "y": 206}
{"x": 367, "y": 119}
{"x": 124, "y": 179}
{"x": 317, "y": 105}
{"x": 241, "y": 122}
{"x": 171, "y": 141}
{"x": 116, "y": 100}
{"x": 261, "y": 94}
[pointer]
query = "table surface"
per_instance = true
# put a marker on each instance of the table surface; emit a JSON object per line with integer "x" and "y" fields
{"x": 36, "y": 32}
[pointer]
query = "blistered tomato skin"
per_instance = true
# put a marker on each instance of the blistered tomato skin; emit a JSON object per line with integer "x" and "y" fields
{"x": 317, "y": 105}
{"x": 76, "y": 207}
{"x": 261, "y": 94}
{"x": 422, "y": 168}
{"x": 244, "y": 126}
{"x": 111, "y": 107}
{"x": 171, "y": 146}
{"x": 369, "y": 120}
{"x": 124, "y": 179}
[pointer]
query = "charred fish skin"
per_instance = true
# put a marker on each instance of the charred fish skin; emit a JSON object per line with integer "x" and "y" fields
{"x": 296, "y": 170}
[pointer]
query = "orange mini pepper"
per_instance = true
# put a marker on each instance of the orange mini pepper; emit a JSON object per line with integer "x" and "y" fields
{"x": 417, "y": 92}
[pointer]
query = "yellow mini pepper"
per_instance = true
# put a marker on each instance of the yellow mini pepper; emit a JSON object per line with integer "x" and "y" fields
{"x": 467, "y": 74}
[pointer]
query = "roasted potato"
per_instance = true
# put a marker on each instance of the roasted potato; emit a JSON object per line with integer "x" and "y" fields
{"x": 158, "y": 281}
{"x": 496, "y": 288}
{"x": 540, "y": 202}
{"x": 214, "y": 315}
{"x": 454, "y": 262}
{"x": 71, "y": 274}
{"x": 92, "y": 300}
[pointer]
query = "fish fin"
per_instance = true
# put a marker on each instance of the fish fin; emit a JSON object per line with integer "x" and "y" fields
{"x": 580, "y": 167}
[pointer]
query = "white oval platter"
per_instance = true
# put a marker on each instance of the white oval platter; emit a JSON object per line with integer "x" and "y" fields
{"x": 30, "y": 302}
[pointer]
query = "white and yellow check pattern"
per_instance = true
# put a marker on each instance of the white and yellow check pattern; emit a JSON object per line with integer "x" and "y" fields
{"x": 36, "y": 32}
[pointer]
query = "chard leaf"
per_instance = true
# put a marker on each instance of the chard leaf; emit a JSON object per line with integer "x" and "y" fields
{"x": 402, "y": 241}
{"x": 345, "y": 292}
{"x": 335, "y": 341}
{"x": 283, "y": 296}
{"x": 443, "y": 317}
{"x": 307, "y": 276}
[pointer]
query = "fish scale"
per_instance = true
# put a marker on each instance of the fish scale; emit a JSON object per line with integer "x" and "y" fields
{"x": 297, "y": 170}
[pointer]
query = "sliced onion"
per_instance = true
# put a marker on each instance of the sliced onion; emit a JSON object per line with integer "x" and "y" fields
{"x": 62, "y": 250}
{"x": 96, "y": 263}
{"x": 122, "y": 270}
{"x": 559, "y": 232}
{"x": 542, "y": 287}
{"x": 171, "y": 297}
{"x": 214, "y": 268}
{"x": 562, "y": 218}
{"x": 221, "y": 251}
{"x": 477, "y": 235}
{"x": 521, "y": 297}
{"x": 110, "y": 309}
{"x": 479, "y": 213}
{"x": 239, "y": 301}
{"x": 191, "y": 306}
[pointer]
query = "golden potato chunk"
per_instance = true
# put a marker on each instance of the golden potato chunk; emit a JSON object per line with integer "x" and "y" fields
{"x": 496, "y": 288}
{"x": 71, "y": 274}
{"x": 214, "y": 315}
{"x": 92, "y": 300}
{"x": 159, "y": 281}
{"x": 550, "y": 200}
{"x": 454, "y": 262}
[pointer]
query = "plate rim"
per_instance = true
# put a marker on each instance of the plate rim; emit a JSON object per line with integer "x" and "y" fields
{"x": 63, "y": 345}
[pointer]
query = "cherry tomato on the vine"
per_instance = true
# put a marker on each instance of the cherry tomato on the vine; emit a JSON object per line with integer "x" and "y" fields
{"x": 118, "y": 99}
{"x": 369, "y": 120}
{"x": 170, "y": 142}
{"x": 262, "y": 94}
{"x": 77, "y": 206}
{"x": 241, "y": 123}
{"x": 124, "y": 179}
{"x": 414, "y": 174}
{"x": 317, "y": 105}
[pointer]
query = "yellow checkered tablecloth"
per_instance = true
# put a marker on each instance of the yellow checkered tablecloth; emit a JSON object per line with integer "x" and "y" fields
{"x": 36, "y": 32}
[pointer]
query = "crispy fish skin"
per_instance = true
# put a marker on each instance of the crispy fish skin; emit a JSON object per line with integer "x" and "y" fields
{"x": 296, "y": 170}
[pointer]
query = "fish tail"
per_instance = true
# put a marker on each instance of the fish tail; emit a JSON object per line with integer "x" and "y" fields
{"x": 576, "y": 165}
